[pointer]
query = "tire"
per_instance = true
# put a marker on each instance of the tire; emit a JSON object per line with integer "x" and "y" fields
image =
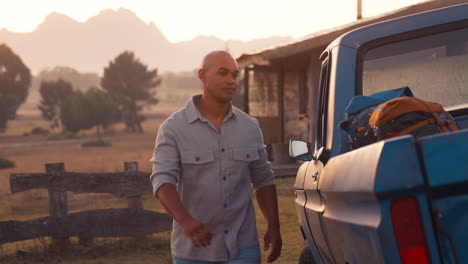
{"x": 306, "y": 256}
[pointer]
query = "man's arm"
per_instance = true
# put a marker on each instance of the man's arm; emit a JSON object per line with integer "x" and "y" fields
{"x": 263, "y": 182}
{"x": 166, "y": 168}
{"x": 197, "y": 232}
{"x": 268, "y": 202}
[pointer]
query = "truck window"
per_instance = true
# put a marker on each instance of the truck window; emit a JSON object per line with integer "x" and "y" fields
{"x": 320, "y": 139}
{"x": 435, "y": 67}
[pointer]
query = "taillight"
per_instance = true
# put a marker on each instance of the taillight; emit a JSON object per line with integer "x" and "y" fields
{"x": 409, "y": 232}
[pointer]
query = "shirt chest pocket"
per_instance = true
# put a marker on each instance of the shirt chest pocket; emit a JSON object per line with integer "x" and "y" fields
{"x": 245, "y": 155}
{"x": 197, "y": 165}
{"x": 197, "y": 157}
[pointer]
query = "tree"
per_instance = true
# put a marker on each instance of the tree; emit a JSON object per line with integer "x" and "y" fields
{"x": 15, "y": 79}
{"x": 54, "y": 94}
{"x": 74, "y": 116}
{"x": 94, "y": 108}
{"x": 131, "y": 83}
{"x": 101, "y": 109}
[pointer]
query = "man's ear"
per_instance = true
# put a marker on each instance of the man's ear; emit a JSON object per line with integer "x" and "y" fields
{"x": 201, "y": 74}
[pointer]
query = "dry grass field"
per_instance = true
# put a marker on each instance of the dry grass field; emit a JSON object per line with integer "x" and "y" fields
{"x": 30, "y": 153}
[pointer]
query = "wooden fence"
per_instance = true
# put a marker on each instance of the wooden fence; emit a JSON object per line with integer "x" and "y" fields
{"x": 131, "y": 221}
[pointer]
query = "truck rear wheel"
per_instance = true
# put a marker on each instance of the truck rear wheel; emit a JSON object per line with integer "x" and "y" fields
{"x": 306, "y": 256}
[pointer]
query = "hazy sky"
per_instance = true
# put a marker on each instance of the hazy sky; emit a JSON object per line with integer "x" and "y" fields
{"x": 183, "y": 19}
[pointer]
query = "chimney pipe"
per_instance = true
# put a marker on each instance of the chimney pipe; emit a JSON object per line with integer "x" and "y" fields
{"x": 359, "y": 9}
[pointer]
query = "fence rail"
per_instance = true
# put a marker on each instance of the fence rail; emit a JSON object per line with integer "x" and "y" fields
{"x": 131, "y": 221}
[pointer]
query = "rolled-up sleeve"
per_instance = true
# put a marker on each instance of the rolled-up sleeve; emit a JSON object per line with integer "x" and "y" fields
{"x": 261, "y": 172}
{"x": 166, "y": 159}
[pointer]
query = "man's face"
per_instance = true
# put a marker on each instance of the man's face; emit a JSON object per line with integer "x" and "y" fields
{"x": 220, "y": 77}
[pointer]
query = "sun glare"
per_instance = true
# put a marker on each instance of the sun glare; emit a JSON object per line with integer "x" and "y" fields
{"x": 182, "y": 20}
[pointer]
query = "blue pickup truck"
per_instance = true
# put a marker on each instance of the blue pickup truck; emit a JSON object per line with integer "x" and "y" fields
{"x": 400, "y": 200}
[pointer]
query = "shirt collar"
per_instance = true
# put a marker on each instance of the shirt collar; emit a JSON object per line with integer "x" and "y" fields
{"x": 231, "y": 114}
{"x": 193, "y": 114}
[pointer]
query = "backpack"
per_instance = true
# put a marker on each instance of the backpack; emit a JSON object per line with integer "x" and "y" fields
{"x": 358, "y": 112}
{"x": 409, "y": 115}
{"x": 393, "y": 113}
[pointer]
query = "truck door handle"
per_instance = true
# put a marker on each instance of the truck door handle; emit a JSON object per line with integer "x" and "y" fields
{"x": 315, "y": 176}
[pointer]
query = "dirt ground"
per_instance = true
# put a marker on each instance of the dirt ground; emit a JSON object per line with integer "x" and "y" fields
{"x": 32, "y": 152}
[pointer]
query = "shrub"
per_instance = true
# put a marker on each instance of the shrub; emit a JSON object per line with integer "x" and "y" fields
{"x": 39, "y": 131}
{"x": 5, "y": 164}
{"x": 96, "y": 143}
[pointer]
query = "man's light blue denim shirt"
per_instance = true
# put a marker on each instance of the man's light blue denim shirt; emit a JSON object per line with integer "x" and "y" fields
{"x": 214, "y": 173}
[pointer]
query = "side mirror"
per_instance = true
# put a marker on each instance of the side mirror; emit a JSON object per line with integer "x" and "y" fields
{"x": 300, "y": 150}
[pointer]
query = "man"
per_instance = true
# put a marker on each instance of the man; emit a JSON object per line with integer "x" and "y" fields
{"x": 206, "y": 158}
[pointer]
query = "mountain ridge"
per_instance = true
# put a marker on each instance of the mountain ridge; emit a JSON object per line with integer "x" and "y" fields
{"x": 89, "y": 46}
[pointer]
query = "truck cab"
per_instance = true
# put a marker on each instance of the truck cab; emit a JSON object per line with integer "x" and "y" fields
{"x": 401, "y": 200}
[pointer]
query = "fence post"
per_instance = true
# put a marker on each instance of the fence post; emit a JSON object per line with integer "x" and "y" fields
{"x": 134, "y": 202}
{"x": 57, "y": 197}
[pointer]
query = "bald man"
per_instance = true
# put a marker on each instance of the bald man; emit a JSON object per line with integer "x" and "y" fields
{"x": 207, "y": 158}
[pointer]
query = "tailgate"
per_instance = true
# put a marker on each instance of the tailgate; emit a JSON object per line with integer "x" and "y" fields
{"x": 445, "y": 158}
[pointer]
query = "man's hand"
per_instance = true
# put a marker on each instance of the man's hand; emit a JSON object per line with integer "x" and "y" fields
{"x": 268, "y": 202}
{"x": 197, "y": 232}
{"x": 273, "y": 240}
